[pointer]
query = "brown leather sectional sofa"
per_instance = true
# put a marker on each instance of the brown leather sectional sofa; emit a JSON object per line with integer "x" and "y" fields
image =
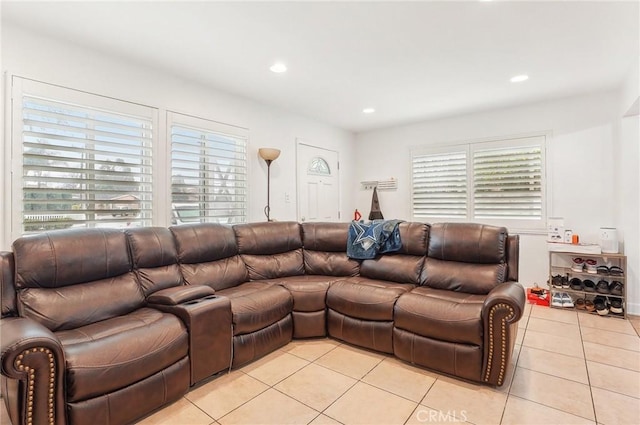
{"x": 103, "y": 326}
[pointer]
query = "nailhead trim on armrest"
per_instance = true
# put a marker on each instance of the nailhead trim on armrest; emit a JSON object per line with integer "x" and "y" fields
{"x": 503, "y": 345}
{"x": 31, "y": 380}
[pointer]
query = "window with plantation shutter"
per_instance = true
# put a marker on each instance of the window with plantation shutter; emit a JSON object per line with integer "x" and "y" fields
{"x": 507, "y": 183}
{"x": 440, "y": 185}
{"x": 86, "y": 159}
{"x": 498, "y": 182}
{"x": 208, "y": 171}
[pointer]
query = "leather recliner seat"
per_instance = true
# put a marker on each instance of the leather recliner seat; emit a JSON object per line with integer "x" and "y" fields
{"x": 80, "y": 286}
{"x": 441, "y": 324}
{"x": 361, "y": 307}
{"x": 226, "y": 258}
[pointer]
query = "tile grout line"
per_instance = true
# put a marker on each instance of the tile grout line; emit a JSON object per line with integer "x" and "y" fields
{"x": 242, "y": 404}
{"x": 198, "y": 407}
{"x": 423, "y": 397}
{"x": 515, "y": 365}
{"x": 593, "y": 402}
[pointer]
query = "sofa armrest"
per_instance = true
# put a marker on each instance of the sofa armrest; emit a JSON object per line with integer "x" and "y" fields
{"x": 33, "y": 356}
{"x": 501, "y": 311}
{"x": 180, "y": 294}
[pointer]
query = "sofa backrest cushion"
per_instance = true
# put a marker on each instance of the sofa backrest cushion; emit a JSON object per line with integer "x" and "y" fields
{"x": 325, "y": 250}
{"x": 270, "y": 250}
{"x": 406, "y": 265}
{"x": 394, "y": 267}
{"x": 208, "y": 255}
{"x": 466, "y": 257}
{"x": 468, "y": 242}
{"x": 71, "y": 278}
{"x": 154, "y": 257}
{"x": 414, "y": 237}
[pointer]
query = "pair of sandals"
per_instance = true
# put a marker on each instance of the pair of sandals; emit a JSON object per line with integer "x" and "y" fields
{"x": 582, "y": 304}
{"x": 613, "y": 288}
{"x": 604, "y": 305}
{"x": 610, "y": 271}
{"x": 602, "y": 287}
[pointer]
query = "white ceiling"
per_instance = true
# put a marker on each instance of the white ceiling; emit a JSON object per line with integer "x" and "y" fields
{"x": 410, "y": 61}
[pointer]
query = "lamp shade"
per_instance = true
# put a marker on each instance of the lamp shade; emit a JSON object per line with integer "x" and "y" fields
{"x": 269, "y": 154}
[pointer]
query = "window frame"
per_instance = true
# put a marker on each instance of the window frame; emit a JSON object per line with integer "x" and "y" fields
{"x": 207, "y": 126}
{"x": 21, "y": 87}
{"x": 469, "y": 147}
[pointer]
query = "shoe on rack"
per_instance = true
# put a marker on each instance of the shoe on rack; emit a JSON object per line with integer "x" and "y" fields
{"x": 565, "y": 282}
{"x": 556, "y": 299}
{"x": 578, "y": 265}
{"x": 616, "y": 306}
{"x": 575, "y": 284}
{"x": 589, "y": 306}
{"x": 603, "y": 287}
{"x": 566, "y": 300}
{"x": 580, "y": 304}
{"x": 616, "y": 271}
{"x": 590, "y": 265}
{"x": 616, "y": 288}
{"x": 556, "y": 281}
{"x": 602, "y": 307}
{"x": 588, "y": 285}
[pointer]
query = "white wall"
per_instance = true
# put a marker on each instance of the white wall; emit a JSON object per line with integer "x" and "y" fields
{"x": 581, "y": 157}
{"x": 628, "y": 180}
{"x": 32, "y": 56}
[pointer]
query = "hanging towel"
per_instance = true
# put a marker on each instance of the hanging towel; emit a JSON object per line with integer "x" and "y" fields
{"x": 375, "y": 213}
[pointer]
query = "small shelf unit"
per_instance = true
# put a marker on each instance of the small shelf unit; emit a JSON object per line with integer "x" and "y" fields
{"x": 560, "y": 264}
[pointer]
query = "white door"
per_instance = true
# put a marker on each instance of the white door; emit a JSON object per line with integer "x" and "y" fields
{"x": 318, "y": 192}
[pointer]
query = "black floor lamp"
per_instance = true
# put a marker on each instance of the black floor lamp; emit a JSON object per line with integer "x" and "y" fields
{"x": 269, "y": 155}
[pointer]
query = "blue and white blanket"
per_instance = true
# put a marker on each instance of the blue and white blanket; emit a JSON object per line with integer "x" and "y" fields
{"x": 367, "y": 240}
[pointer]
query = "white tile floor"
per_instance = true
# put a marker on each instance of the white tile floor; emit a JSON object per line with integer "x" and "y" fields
{"x": 568, "y": 368}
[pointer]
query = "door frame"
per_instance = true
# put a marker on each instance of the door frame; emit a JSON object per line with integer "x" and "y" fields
{"x": 300, "y": 142}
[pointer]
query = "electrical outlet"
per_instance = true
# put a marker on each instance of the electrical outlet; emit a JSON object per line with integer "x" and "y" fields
{"x": 287, "y": 198}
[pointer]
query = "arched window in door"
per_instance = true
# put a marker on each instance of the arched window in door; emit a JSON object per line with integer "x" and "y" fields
{"x": 318, "y": 165}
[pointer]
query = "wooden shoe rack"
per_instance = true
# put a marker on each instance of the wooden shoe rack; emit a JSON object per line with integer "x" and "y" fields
{"x": 560, "y": 264}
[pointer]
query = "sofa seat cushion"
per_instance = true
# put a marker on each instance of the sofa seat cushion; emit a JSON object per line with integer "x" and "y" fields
{"x": 111, "y": 354}
{"x": 365, "y": 298}
{"x": 309, "y": 292}
{"x": 441, "y": 314}
{"x": 256, "y": 305}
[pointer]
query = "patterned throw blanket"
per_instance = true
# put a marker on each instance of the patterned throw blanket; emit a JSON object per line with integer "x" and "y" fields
{"x": 367, "y": 240}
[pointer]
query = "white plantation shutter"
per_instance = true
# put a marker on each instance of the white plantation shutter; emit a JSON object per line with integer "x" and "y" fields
{"x": 208, "y": 171}
{"x": 500, "y": 182}
{"x": 439, "y": 185}
{"x": 508, "y": 183}
{"x": 83, "y": 165}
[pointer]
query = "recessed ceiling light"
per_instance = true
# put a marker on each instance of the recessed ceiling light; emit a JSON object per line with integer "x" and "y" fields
{"x": 278, "y": 67}
{"x": 519, "y": 78}
{"x": 368, "y": 111}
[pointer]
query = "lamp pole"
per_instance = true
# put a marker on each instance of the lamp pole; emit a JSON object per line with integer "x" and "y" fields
{"x": 267, "y": 209}
{"x": 269, "y": 155}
